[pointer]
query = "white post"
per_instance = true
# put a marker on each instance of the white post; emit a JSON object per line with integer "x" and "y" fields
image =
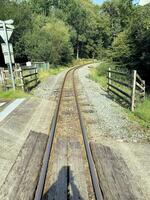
{"x": 21, "y": 78}
{"x": 144, "y": 90}
{"x": 9, "y": 54}
{"x": 109, "y": 78}
{"x": 133, "y": 91}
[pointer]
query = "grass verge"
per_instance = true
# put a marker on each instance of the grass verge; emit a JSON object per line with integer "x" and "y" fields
{"x": 142, "y": 113}
{"x": 52, "y": 71}
{"x": 11, "y": 94}
{"x": 99, "y": 74}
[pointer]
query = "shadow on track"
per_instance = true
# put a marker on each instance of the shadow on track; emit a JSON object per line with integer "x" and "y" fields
{"x": 64, "y": 188}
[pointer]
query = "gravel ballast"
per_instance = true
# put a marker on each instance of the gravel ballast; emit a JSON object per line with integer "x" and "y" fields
{"x": 48, "y": 87}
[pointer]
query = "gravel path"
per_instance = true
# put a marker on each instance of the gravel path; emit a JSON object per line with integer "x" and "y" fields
{"x": 112, "y": 118}
{"x": 49, "y": 87}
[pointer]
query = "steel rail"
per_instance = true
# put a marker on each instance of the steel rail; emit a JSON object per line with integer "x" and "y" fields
{"x": 95, "y": 182}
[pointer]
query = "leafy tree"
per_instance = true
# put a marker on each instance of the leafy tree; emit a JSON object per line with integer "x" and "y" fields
{"x": 49, "y": 40}
{"x": 41, "y": 6}
{"x": 21, "y": 14}
{"x": 139, "y": 36}
{"x": 131, "y": 47}
{"x": 121, "y": 49}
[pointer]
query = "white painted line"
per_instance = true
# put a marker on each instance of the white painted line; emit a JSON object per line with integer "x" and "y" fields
{"x": 3, "y": 103}
{"x": 10, "y": 108}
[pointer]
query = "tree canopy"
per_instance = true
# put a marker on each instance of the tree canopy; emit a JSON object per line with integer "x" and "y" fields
{"x": 57, "y": 31}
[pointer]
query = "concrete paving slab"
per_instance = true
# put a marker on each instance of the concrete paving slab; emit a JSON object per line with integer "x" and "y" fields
{"x": 10, "y": 108}
{"x": 31, "y": 114}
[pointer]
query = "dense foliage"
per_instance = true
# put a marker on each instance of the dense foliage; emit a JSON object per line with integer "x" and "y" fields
{"x": 56, "y": 31}
{"x": 130, "y": 35}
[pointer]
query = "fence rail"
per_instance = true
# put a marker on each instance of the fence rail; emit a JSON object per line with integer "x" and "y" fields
{"x": 25, "y": 77}
{"x": 131, "y": 91}
{"x": 29, "y": 75}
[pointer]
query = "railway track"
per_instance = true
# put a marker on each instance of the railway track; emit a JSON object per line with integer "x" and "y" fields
{"x": 68, "y": 170}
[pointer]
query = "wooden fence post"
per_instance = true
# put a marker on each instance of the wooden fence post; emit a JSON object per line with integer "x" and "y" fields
{"x": 21, "y": 79}
{"x": 36, "y": 76}
{"x": 109, "y": 78}
{"x": 144, "y": 90}
{"x": 2, "y": 75}
{"x": 4, "y": 78}
{"x": 133, "y": 91}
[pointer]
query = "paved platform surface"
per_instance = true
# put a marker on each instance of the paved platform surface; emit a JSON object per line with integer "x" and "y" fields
{"x": 32, "y": 114}
{"x": 9, "y": 108}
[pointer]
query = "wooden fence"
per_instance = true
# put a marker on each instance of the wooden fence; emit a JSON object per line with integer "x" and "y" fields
{"x": 6, "y": 81}
{"x": 26, "y": 78}
{"x": 128, "y": 87}
{"x": 29, "y": 76}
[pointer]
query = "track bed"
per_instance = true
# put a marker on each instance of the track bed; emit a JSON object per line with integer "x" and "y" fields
{"x": 68, "y": 174}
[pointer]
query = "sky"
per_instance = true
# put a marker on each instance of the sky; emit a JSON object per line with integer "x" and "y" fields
{"x": 98, "y": 1}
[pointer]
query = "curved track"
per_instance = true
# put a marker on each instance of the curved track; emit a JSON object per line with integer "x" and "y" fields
{"x": 76, "y": 138}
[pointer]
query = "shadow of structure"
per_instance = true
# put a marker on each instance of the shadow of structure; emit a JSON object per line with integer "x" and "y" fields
{"x": 64, "y": 187}
{"x": 117, "y": 100}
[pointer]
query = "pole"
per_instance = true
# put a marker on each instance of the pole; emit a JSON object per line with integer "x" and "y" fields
{"x": 133, "y": 91}
{"x": 9, "y": 54}
{"x": 109, "y": 79}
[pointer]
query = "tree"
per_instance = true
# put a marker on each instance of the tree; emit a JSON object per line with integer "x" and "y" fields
{"x": 21, "y": 14}
{"x": 41, "y": 6}
{"x": 131, "y": 47}
{"x": 49, "y": 40}
{"x": 121, "y": 49}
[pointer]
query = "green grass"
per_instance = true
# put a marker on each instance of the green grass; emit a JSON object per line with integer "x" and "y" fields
{"x": 99, "y": 74}
{"x": 143, "y": 112}
{"x": 11, "y": 94}
{"x": 102, "y": 80}
{"x": 52, "y": 71}
{"x": 81, "y": 61}
{"x": 56, "y": 70}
